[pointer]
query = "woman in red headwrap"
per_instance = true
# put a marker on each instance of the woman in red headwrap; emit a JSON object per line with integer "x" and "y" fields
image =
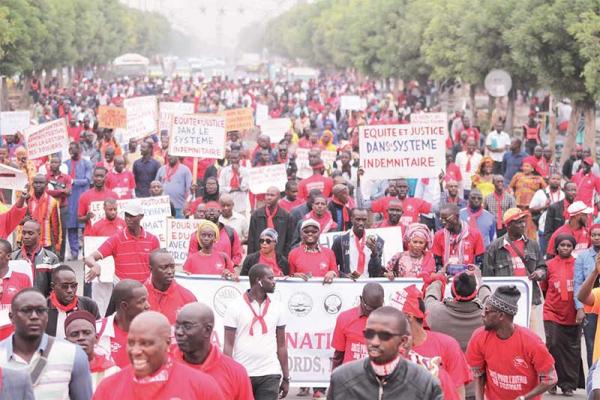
{"x": 524, "y": 185}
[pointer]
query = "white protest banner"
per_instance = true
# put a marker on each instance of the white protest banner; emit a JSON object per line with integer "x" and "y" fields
{"x": 179, "y": 232}
{"x": 275, "y": 128}
{"x": 392, "y": 237}
{"x": 262, "y": 178}
{"x": 239, "y": 119}
{"x": 142, "y": 117}
{"x": 107, "y": 270}
{"x": 197, "y": 135}
{"x": 415, "y": 150}
{"x": 353, "y": 103}
{"x": 12, "y": 178}
{"x": 262, "y": 113}
{"x": 312, "y": 309}
{"x": 12, "y": 122}
{"x": 48, "y": 138}
{"x": 156, "y": 210}
{"x": 304, "y": 170}
{"x": 168, "y": 109}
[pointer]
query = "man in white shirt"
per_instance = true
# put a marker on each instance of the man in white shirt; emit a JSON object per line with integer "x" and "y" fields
{"x": 234, "y": 179}
{"x": 497, "y": 143}
{"x": 233, "y": 219}
{"x": 255, "y": 335}
{"x": 467, "y": 162}
{"x": 540, "y": 202}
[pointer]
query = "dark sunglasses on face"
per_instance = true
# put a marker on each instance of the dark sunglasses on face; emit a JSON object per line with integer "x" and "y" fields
{"x": 267, "y": 241}
{"x": 383, "y": 335}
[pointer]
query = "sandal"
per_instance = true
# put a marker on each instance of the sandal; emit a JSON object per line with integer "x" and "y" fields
{"x": 303, "y": 392}
{"x": 552, "y": 390}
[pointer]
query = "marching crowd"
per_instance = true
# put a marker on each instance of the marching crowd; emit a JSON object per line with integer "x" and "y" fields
{"x": 496, "y": 210}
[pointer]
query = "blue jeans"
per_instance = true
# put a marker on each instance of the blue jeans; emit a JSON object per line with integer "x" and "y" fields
{"x": 589, "y": 333}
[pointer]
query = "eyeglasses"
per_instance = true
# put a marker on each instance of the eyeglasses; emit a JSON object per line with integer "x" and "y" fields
{"x": 267, "y": 241}
{"x": 28, "y": 311}
{"x": 383, "y": 335}
{"x": 67, "y": 286}
{"x": 186, "y": 326}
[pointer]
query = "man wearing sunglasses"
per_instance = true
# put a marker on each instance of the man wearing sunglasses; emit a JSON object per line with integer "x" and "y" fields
{"x": 348, "y": 340}
{"x": 384, "y": 373}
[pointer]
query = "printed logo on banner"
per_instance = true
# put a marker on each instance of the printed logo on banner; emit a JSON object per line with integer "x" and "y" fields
{"x": 224, "y": 296}
{"x": 300, "y": 304}
{"x": 332, "y": 304}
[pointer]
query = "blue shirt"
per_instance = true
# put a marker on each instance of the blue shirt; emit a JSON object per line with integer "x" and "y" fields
{"x": 144, "y": 172}
{"x": 82, "y": 179}
{"x": 486, "y": 223}
{"x": 178, "y": 186}
{"x": 511, "y": 164}
{"x": 585, "y": 263}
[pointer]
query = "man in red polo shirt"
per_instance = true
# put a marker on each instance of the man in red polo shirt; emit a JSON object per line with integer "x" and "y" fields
{"x": 316, "y": 180}
{"x": 193, "y": 331}
{"x": 153, "y": 374}
{"x": 164, "y": 294}
{"x": 310, "y": 259}
{"x": 394, "y": 218}
{"x": 348, "y": 339}
{"x": 130, "y": 248}
{"x": 586, "y": 182}
{"x": 111, "y": 222}
{"x": 12, "y": 282}
{"x": 98, "y": 193}
{"x": 457, "y": 244}
{"x": 576, "y": 226}
{"x": 120, "y": 180}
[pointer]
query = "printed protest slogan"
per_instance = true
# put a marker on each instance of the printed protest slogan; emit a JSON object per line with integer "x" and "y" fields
{"x": 169, "y": 109}
{"x": 197, "y": 135}
{"x": 12, "y": 122}
{"x": 415, "y": 150}
{"x": 311, "y": 310}
{"x": 46, "y": 139}
{"x": 112, "y": 117}
{"x": 239, "y": 119}
{"x": 142, "y": 117}
{"x": 156, "y": 211}
{"x": 12, "y": 178}
{"x": 262, "y": 178}
{"x": 179, "y": 232}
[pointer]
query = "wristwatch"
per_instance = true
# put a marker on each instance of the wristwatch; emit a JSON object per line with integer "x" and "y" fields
{"x": 286, "y": 380}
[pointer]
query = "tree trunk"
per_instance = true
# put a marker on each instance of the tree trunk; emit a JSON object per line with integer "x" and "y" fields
{"x": 510, "y": 110}
{"x": 472, "y": 92}
{"x": 571, "y": 132}
{"x": 589, "y": 115}
{"x": 490, "y": 113}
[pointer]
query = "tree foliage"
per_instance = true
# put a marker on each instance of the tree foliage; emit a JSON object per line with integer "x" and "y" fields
{"x": 45, "y": 34}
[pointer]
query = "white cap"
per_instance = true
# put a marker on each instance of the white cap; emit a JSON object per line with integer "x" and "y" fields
{"x": 310, "y": 222}
{"x": 579, "y": 207}
{"x": 133, "y": 208}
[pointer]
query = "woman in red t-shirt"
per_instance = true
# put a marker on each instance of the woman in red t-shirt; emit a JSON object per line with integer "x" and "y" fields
{"x": 563, "y": 333}
{"x": 267, "y": 255}
{"x": 207, "y": 260}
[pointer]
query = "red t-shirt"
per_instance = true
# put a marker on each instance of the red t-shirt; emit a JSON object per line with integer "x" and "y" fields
{"x": 11, "y": 284}
{"x": 511, "y": 366}
{"x": 122, "y": 183}
{"x": 224, "y": 245}
{"x": 586, "y": 184}
{"x": 323, "y": 183}
{"x": 582, "y": 238}
{"x": 105, "y": 227}
{"x": 472, "y": 245}
{"x": 288, "y": 205}
{"x": 182, "y": 383}
{"x": 118, "y": 347}
{"x": 412, "y": 208}
{"x": 230, "y": 375}
{"x": 209, "y": 264}
{"x": 87, "y": 198}
{"x": 348, "y": 335}
{"x": 453, "y": 359}
{"x": 131, "y": 253}
{"x": 452, "y": 173}
{"x": 381, "y": 205}
{"x": 318, "y": 264}
{"x": 560, "y": 277}
{"x": 170, "y": 301}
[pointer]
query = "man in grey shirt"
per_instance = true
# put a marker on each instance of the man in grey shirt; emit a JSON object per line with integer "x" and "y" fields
{"x": 176, "y": 179}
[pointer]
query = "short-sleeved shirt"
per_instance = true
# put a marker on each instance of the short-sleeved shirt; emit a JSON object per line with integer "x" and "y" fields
{"x": 87, "y": 198}
{"x": 472, "y": 246}
{"x": 122, "y": 183}
{"x": 211, "y": 264}
{"x": 131, "y": 253}
{"x": 169, "y": 302}
{"x": 104, "y": 227}
{"x": 323, "y": 183}
{"x": 513, "y": 366}
{"x": 348, "y": 335}
{"x": 257, "y": 352}
{"x": 318, "y": 263}
{"x": 144, "y": 172}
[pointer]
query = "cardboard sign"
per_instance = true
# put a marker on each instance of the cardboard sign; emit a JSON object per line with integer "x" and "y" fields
{"x": 179, "y": 232}
{"x": 304, "y": 170}
{"x": 239, "y": 119}
{"x": 197, "y": 135}
{"x": 46, "y": 139}
{"x": 112, "y": 117}
{"x": 275, "y": 128}
{"x": 156, "y": 210}
{"x": 415, "y": 150}
{"x": 12, "y": 178}
{"x": 142, "y": 117}
{"x": 262, "y": 178}
{"x": 168, "y": 109}
{"x": 353, "y": 103}
{"x": 12, "y": 122}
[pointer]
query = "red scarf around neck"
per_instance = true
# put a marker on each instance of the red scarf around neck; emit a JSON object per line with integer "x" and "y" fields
{"x": 270, "y": 216}
{"x": 325, "y": 221}
{"x": 73, "y": 172}
{"x": 69, "y": 307}
{"x": 345, "y": 213}
{"x": 473, "y": 216}
{"x": 234, "y": 182}
{"x": 360, "y": 247}
{"x": 499, "y": 212}
{"x": 258, "y": 318}
{"x": 170, "y": 171}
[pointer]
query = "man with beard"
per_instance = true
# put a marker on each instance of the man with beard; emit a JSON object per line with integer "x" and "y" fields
{"x": 394, "y": 217}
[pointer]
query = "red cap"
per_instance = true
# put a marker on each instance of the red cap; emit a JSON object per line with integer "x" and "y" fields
{"x": 407, "y": 301}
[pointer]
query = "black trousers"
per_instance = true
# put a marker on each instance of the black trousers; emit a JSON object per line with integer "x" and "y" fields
{"x": 564, "y": 343}
{"x": 265, "y": 387}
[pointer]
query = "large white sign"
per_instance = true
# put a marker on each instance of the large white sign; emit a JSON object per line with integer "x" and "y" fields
{"x": 142, "y": 117}
{"x": 12, "y": 178}
{"x": 197, "y": 135}
{"x": 353, "y": 103}
{"x": 415, "y": 150}
{"x": 312, "y": 309}
{"x": 12, "y": 122}
{"x": 156, "y": 211}
{"x": 275, "y": 128}
{"x": 48, "y": 138}
{"x": 262, "y": 178}
{"x": 169, "y": 109}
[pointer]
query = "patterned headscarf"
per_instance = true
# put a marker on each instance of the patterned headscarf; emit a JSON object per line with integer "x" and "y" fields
{"x": 418, "y": 230}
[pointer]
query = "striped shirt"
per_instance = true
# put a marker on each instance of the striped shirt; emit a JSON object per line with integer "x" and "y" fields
{"x": 131, "y": 253}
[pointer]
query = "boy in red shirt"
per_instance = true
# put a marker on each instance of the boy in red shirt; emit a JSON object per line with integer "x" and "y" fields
{"x": 310, "y": 259}
{"x": 507, "y": 360}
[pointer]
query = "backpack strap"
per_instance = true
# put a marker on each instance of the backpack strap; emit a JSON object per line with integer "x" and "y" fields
{"x": 40, "y": 366}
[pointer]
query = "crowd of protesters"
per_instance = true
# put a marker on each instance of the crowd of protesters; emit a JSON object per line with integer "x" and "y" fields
{"x": 502, "y": 207}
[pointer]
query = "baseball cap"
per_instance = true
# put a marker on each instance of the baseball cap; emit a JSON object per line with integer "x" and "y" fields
{"x": 578, "y": 207}
{"x": 310, "y": 222}
{"x": 133, "y": 208}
